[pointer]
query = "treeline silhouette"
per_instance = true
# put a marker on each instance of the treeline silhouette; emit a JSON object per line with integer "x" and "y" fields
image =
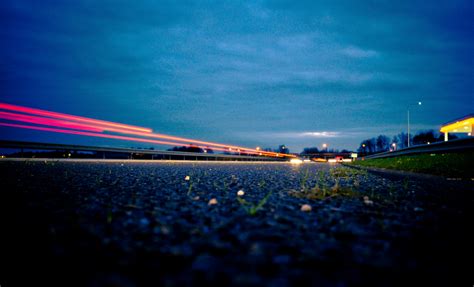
{"x": 384, "y": 143}
{"x": 315, "y": 150}
{"x": 191, "y": 148}
{"x": 281, "y": 149}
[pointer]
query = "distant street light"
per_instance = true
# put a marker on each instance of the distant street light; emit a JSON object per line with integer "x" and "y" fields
{"x": 408, "y": 116}
{"x": 325, "y": 146}
{"x": 394, "y": 145}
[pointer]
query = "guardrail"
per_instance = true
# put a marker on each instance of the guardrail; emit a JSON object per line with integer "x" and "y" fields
{"x": 458, "y": 145}
{"x": 131, "y": 152}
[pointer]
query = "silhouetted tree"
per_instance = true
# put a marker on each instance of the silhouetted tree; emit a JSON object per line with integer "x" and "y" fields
{"x": 368, "y": 146}
{"x": 425, "y": 137}
{"x": 310, "y": 150}
{"x": 363, "y": 148}
{"x": 187, "y": 149}
{"x": 283, "y": 149}
{"x": 403, "y": 140}
{"x": 395, "y": 140}
{"x": 382, "y": 143}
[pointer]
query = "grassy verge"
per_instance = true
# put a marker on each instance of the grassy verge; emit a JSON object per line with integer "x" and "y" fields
{"x": 450, "y": 165}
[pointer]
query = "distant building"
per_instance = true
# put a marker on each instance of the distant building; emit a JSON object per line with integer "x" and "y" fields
{"x": 462, "y": 125}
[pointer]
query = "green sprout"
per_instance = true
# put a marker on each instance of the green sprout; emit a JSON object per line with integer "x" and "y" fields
{"x": 252, "y": 208}
{"x": 322, "y": 189}
{"x": 190, "y": 188}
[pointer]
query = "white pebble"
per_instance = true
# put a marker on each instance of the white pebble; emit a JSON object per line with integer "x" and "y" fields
{"x": 240, "y": 193}
{"x": 213, "y": 201}
{"x": 367, "y": 201}
{"x": 306, "y": 208}
{"x": 187, "y": 178}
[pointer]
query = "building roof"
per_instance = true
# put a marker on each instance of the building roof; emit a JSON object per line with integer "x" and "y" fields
{"x": 461, "y": 125}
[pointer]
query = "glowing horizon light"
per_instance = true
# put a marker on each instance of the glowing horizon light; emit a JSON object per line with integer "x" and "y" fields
{"x": 296, "y": 161}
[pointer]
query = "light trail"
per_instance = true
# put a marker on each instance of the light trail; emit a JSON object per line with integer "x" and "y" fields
{"x": 70, "y": 117}
{"x": 73, "y": 132}
{"x": 48, "y": 118}
{"x": 99, "y": 128}
{"x": 47, "y": 122}
{"x": 72, "y": 125}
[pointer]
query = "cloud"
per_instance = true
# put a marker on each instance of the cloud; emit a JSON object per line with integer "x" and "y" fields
{"x": 356, "y": 52}
{"x": 321, "y": 134}
{"x": 299, "y": 135}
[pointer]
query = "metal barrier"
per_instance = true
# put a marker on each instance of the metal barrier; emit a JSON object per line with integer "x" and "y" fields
{"x": 458, "y": 145}
{"x": 155, "y": 154}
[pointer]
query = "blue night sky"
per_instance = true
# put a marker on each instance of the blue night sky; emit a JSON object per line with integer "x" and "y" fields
{"x": 256, "y": 73}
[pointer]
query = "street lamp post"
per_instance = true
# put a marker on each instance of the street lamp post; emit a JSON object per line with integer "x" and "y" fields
{"x": 363, "y": 148}
{"x": 408, "y": 117}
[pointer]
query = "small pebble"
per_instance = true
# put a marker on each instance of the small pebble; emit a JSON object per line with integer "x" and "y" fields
{"x": 196, "y": 198}
{"x": 306, "y": 208}
{"x": 187, "y": 178}
{"x": 240, "y": 193}
{"x": 418, "y": 209}
{"x": 213, "y": 201}
{"x": 368, "y": 201}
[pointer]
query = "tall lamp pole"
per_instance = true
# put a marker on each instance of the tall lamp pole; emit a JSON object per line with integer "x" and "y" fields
{"x": 408, "y": 116}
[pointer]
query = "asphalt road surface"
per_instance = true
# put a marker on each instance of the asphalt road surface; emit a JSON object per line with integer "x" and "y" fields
{"x": 133, "y": 223}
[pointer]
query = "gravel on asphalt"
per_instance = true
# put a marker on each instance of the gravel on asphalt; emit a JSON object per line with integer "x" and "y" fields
{"x": 99, "y": 223}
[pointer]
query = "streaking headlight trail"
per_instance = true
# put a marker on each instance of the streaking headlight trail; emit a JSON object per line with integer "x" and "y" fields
{"x": 48, "y": 121}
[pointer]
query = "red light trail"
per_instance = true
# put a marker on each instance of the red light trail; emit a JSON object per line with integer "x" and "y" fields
{"x": 47, "y": 122}
{"x": 70, "y": 117}
{"x": 73, "y": 132}
{"x": 70, "y": 124}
